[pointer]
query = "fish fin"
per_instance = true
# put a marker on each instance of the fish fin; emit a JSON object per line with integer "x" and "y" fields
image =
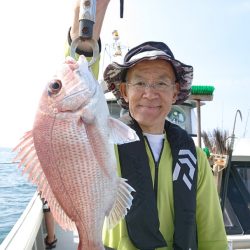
{"x": 58, "y": 213}
{"x": 87, "y": 116}
{"x": 120, "y": 133}
{"x": 30, "y": 164}
{"x": 122, "y": 203}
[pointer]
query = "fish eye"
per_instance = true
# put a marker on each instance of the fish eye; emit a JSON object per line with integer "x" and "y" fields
{"x": 54, "y": 87}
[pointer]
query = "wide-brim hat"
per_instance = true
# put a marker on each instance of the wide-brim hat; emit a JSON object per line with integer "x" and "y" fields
{"x": 115, "y": 73}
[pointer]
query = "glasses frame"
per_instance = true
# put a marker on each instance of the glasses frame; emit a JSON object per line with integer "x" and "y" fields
{"x": 159, "y": 86}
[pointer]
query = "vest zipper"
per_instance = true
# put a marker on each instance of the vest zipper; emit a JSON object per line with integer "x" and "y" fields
{"x": 156, "y": 166}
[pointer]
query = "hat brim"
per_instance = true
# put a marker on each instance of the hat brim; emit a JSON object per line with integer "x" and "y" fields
{"x": 114, "y": 75}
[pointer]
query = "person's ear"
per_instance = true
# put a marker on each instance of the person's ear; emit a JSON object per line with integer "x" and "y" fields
{"x": 123, "y": 90}
{"x": 176, "y": 92}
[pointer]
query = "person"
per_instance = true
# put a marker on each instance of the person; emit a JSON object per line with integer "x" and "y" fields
{"x": 175, "y": 205}
{"x": 50, "y": 240}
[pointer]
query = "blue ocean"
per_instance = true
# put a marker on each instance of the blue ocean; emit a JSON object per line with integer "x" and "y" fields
{"x": 15, "y": 192}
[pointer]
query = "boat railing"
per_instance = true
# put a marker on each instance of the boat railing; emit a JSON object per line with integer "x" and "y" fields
{"x": 27, "y": 233}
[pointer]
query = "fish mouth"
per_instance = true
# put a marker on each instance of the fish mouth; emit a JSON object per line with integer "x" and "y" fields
{"x": 73, "y": 94}
{"x": 78, "y": 99}
{"x": 75, "y": 101}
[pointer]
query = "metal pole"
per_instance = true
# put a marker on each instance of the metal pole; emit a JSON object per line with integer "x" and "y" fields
{"x": 199, "y": 121}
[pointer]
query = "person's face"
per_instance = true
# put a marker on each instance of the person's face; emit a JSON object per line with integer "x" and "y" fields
{"x": 150, "y": 106}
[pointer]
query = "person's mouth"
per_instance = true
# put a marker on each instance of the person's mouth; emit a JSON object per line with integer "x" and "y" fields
{"x": 149, "y": 107}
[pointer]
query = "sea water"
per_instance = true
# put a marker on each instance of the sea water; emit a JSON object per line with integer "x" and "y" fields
{"x": 15, "y": 192}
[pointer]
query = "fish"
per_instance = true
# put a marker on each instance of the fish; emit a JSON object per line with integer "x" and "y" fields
{"x": 69, "y": 154}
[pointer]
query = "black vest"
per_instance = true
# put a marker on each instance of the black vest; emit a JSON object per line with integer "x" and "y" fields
{"x": 142, "y": 218}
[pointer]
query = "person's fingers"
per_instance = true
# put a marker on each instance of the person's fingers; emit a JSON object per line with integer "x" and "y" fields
{"x": 74, "y": 32}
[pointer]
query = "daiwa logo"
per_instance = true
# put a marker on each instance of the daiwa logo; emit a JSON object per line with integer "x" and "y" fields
{"x": 189, "y": 159}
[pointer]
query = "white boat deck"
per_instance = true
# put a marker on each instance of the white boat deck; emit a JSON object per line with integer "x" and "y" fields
{"x": 29, "y": 233}
{"x": 66, "y": 239}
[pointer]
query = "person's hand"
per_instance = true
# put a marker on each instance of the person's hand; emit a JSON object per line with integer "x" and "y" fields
{"x": 101, "y": 6}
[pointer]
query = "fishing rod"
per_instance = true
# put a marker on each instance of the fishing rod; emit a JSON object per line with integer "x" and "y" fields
{"x": 87, "y": 17}
{"x": 121, "y": 8}
{"x": 228, "y": 168}
{"x": 244, "y": 135}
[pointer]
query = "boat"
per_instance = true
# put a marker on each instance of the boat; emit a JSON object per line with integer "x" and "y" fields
{"x": 29, "y": 231}
{"x": 237, "y": 205}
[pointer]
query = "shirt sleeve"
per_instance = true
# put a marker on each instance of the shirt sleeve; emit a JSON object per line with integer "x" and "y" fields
{"x": 210, "y": 224}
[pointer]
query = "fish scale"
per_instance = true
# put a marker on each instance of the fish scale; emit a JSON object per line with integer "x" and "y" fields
{"x": 69, "y": 154}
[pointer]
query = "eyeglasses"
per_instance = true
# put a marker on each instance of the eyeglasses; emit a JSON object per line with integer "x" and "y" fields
{"x": 160, "y": 86}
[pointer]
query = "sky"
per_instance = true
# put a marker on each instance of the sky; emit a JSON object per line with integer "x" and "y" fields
{"x": 212, "y": 36}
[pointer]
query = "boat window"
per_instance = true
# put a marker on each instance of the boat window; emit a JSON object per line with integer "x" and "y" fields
{"x": 244, "y": 172}
{"x": 237, "y": 214}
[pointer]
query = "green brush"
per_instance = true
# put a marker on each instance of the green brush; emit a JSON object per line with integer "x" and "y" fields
{"x": 202, "y": 90}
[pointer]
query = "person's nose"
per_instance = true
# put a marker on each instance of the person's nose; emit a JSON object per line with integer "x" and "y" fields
{"x": 150, "y": 93}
